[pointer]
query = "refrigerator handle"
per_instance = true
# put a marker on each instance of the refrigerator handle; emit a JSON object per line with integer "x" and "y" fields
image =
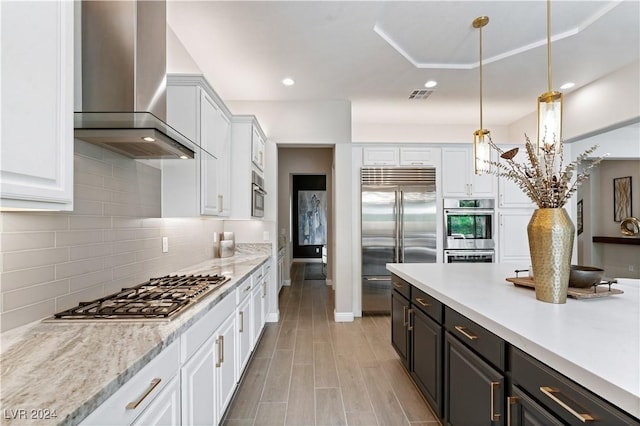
{"x": 401, "y": 226}
{"x": 396, "y": 252}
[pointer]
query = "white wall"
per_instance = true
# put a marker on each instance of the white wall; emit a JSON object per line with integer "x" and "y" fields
{"x": 606, "y": 102}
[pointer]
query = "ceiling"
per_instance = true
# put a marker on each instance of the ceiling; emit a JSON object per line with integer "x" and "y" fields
{"x": 375, "y": 54}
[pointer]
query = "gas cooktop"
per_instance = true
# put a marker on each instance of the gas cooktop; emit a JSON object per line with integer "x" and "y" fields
{"x": 157, "y": 299}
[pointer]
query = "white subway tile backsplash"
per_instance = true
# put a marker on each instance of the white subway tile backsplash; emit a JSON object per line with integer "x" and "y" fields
{"x": 78, "y": 267}
{"x": 112, "y": 239}
{"x": 26, "y": 314}
{"x": 80, "y": 282}
{"x": 13, "y": 241}
{"x": 34, "y": 294}
{"x": 26, "y": 277}
{"x": 90, "y": 251}
{"x": 14, "y": 260}
{"x": 89, "y": 222}
{"x": 19, "y": 222}
{"x": 76, "y": 238}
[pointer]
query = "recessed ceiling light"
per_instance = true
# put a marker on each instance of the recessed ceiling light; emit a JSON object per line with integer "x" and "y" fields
{"x": 288, "y": 81}
{"x": 431, "y": 83}
{"x": 567, "y": 86}
{"x": 148, "y": 139}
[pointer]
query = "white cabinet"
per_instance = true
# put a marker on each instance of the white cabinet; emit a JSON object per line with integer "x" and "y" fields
{"x": 226, "y": 379}
{"x": 198, "y": 385}
{"x": 380, "y": 156}
{"x": 513, "y": 243}
{"x": 247, "y": 151}
{"x": 36, "y": 142}
{"x": 259, "y": 300}
{"x": 138, "y": 396}
{"x": 400, "y": 156}
{"x": 509, "y": 194}
{"x": 165, "y": 408}
{"x": 459, "y": 178}
{"x": 200, "y": 186}
{"x": 410, "y": 156}
{"x": 245, "y": 325}
{"x": 280, "y": 270}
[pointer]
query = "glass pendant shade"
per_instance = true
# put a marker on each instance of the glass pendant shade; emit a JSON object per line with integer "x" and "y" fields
{"x": 481, "y": 151}
{"x": 549, "y": 122}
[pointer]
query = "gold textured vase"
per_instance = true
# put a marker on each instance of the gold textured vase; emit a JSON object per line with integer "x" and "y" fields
{"x": 551, "y": 234}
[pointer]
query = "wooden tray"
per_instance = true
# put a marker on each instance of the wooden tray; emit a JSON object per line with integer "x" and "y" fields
{"x": 573, "y": 292}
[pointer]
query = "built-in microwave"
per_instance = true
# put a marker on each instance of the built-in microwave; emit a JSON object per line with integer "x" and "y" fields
{"x": 257, "y": 195}
{"x": 469, "y": 224}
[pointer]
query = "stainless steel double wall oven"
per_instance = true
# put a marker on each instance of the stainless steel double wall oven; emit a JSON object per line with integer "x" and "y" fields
{"x": 469, "y": 230}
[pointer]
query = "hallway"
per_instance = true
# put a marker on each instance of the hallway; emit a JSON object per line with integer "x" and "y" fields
{"x": 310, "y": 370}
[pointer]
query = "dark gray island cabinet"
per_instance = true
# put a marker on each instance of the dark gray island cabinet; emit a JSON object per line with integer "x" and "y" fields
{"x": 471, "y": 376}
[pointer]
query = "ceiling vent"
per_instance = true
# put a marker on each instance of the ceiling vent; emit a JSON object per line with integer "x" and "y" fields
{"x": 421, "y": 94}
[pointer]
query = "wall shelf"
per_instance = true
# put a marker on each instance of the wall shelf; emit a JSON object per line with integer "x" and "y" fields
{"x": 618, "y": 240}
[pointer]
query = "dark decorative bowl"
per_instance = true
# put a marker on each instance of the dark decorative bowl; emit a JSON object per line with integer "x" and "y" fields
{"x": 584, "y": 276}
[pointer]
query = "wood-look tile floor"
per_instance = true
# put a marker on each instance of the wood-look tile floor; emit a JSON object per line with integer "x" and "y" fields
{"x": 310, "y": 370}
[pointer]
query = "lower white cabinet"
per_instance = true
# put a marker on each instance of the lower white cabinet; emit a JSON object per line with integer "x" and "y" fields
{"x": 165, "y": 408}
{"x": 513, "y": 241}
{"x": 192, "y": 381}
{"x": 245, "y": 325}
{"x": 138, "y": 396}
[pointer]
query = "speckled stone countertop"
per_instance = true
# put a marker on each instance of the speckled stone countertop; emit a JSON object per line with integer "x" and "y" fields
{"x": 73, "y": 367}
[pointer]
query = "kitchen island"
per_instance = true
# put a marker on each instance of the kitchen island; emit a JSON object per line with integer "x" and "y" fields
{"x": 594, "y": 342}
{"x": 59, "y": 372}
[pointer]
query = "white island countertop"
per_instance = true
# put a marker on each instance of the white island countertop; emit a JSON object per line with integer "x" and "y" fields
{"x": 595, "y": 342}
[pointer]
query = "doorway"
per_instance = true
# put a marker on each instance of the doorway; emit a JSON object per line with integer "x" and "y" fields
{"x": 309, "y": 216}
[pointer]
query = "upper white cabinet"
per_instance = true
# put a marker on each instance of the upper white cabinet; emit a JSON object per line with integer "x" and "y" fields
{"x": 459, "y": 179}
{"x": 380, "y": 156}
{"x": 400, "y": 156}
{"x": 509, "y": 194}
{"x": 36, "y": 154}
{"x": 247, "y": 151}
{"x": 200, "y": 187}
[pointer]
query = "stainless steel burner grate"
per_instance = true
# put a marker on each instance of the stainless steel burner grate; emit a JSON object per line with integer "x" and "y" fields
{"x": 158, "y": 298}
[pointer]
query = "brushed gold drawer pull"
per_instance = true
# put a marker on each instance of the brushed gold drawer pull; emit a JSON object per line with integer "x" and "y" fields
{"x": 549, "y": 391}
{"x": 154, "y": 383}
{"x": 405, "y": 321}
{"x": 465, "y": 333}
{"x": 411, "y": 314}
{"x": 221, "y": 349}
{"x": 398, "y": 286}
{"x": 494, "y": 416}
{"x": 264, "y": 290}
{"x": 241, "y": 321}
{"x": 511, "y": 400}
{"x": 422, "y": 302}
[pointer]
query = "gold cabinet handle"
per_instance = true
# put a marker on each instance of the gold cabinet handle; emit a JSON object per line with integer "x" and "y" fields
{"x": 241, "y": 321}
{"x": 405, "y": 321}
{"x": 410, "y": 322}
{"x": 154, "y": 383}
{"x": 511, "y": 400}
{"x": 221, "y": 349}
{"x": 494, "y": 416}
{"x": 465, "y": 333}
{"x": 549, "y": 391}
{"x": 247, "y": 288}
{"x": 421, "y": 301}
{"x": 396, "y": 285}
{"x": 264, "y": 290}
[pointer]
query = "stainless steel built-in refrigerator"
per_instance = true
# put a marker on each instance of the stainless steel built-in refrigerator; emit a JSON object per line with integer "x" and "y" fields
{"x": 398, "y": 226}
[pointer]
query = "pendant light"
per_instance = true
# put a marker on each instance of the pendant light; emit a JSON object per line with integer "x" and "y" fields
{"x": 549, "y": 107}
{"x": 481, "y": 148}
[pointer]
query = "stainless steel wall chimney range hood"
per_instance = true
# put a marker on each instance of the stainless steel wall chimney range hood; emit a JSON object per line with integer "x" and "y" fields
{"x": 124, "y": 80}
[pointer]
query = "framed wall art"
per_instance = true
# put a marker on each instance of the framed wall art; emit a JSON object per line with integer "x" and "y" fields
{"x": 621, "y": 198}
{"x": 579, "y": 219}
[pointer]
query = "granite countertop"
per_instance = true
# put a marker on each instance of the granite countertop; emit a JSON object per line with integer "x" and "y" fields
{"x": 595, "y": 342}
{"x": 73, "y": 367}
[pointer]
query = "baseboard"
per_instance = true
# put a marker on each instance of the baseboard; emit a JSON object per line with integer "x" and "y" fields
{"x": 307, "y": 260}
{"x": 273, "y": 316}
{"x": 287, "y": 283}
{"x": 343, "y": 316}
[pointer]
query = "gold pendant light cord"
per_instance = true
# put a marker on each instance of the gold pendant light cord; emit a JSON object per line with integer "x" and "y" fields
{"x": 481, "y": 128}
{"x": 548, "y": 43}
